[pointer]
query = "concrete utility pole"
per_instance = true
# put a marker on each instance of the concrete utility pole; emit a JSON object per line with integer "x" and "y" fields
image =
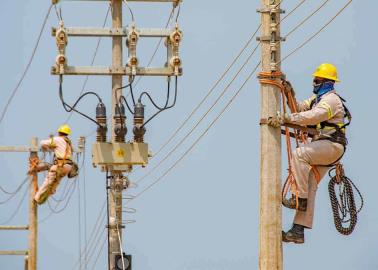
{"x": 118, "y": 156}
{"x": 31, "y": 253}
{"x": 116, "y": 182}
{"x": 33, "y": 212}
{"x": 270, "y": 245}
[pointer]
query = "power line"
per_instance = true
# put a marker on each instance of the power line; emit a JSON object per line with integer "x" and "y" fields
{"x": 318, "y": 32}
{"x": 293, "y": 10}
{"x": 199, "y": 138}
{"x": 14, "y": 91}
{"x": 232, "y": 99}
{"x": 16, "y": 190}
{"x": 99, "y": 253}
{"x": 219, "y": 80}
{"x": 92, "y": 62}
{"x": 94, "y": 234}
{"x": 307, "y": 18}
{"x": 157, "y": 46}
{"x": 209, "y": 92}
{"x": 203, "y": 116}
{"x": 17, "y": 208}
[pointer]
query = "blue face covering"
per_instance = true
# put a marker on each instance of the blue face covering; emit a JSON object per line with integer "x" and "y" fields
{"x": 323, "y": 88}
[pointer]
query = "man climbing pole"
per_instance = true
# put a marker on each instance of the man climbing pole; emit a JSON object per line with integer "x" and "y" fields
{"x": 63, "y": 164}
{"x": 325, "y": 111}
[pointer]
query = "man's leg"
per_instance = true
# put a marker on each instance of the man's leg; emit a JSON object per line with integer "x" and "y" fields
{"x": 51, "y": 182}
{"x": 305, "y": 218}
{"x": 315, "y": 153}
{"x": 320, "y": 153}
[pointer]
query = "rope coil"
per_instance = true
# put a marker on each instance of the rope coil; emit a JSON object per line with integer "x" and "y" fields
{"x": 343, "y": 205}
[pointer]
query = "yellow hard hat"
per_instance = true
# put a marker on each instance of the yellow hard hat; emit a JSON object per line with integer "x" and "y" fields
{"x": 65, "y": 129}
{"x": 327, "y": 71}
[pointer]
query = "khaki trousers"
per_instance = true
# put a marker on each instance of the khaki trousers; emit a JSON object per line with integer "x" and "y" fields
{"x": 52, "y": 180}
{"x": 320, "y": 153}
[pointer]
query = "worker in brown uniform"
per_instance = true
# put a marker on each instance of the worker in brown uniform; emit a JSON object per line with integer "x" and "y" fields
{"x": 63, "y": 163}
{"x": 326, "y": 111}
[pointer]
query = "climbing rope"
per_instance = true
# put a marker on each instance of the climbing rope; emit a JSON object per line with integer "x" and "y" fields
{"x": 271, "y": 78}
{"x": 343, "y": 204}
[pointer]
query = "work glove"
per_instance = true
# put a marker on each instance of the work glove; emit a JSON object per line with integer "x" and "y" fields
{"x": 279, "y": 119}
{"x": 288, "y": 88}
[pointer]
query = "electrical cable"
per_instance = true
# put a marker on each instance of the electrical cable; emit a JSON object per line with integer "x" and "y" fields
{"x": 307, "y": 18}
{"x": 14, "y": 91}
{"x": 70, "y": 108}
{"x": 223, "y": 75}
{"x": 17, "y": 208}
{"x": 16, "y": 190}
{"x": 98, "y": 254}
{"x": 317, "y": 33}
{"x": 153, "y": 102}
{"x": 79, "y": 221}
{"x": 203, "y": 116}
{"x": 94, "y": 234}
{"x": 14, "y": 194}
{"x": 165, "y": 108}
{"x": 121, "y": 97}
{"x": 131, "y": 12}
{"x": 199, "y": 138}
{"x": 229, "y": 103}
{"x": 293, "y": 10}
{"x": 85, "y": 209}
{"x": 157, "y": 45}
{"x": 132, "y": 93}
{"x": 92, "y": 62}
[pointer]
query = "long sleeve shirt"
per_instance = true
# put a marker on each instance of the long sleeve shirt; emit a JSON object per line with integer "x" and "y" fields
{"x": 59, "y": 146}
{"x": 329, "y": 108}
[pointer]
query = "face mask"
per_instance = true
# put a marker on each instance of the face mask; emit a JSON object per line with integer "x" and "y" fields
{"x": 320, "y": 88}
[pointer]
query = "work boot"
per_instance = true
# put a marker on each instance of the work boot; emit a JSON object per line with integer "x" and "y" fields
{"x": 292, "y": 203}
{"x": 294, "y": 235}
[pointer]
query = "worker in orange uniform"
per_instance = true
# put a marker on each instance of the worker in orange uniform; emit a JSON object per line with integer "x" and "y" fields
{"x": 326, "y": 111}
{"x": 63, "y": 164}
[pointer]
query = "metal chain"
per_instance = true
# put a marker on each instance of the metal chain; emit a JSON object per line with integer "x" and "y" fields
{"x": 343, "y": 204}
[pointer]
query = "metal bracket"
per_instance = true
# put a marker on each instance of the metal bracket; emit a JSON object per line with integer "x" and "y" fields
{"x": 54, "y": 2}
{"x": 112, "y": 32}
{"x": 270, "y": 10}
{"x": 140, "y": 71}
{"x": 269, "y": 38}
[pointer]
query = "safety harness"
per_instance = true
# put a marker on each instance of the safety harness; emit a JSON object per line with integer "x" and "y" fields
{"x": 60, "y": 162}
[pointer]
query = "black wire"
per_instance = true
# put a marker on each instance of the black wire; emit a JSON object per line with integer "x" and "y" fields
{"x": 132, "y": 93}
{"x": 127, "y": 104}
{"x": 119, "y": 100}
{"x": 166, "y": 108}
{"x": 153, "y": 102}
{"x": 123, "y": 87}
{"x": 70, "y": 108}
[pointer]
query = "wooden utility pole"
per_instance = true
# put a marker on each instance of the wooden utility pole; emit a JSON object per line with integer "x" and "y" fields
{"x": 33, "y": 211}
{"x": 270, "y": 246}
{"x": 116, "y": 182}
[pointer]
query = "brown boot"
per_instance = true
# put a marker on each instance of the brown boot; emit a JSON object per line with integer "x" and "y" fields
{"x": 292, "y": 203}
{"x": 294, "y": 235}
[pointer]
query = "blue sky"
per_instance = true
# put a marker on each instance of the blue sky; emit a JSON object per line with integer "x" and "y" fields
{"x": 204, "y": 214}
